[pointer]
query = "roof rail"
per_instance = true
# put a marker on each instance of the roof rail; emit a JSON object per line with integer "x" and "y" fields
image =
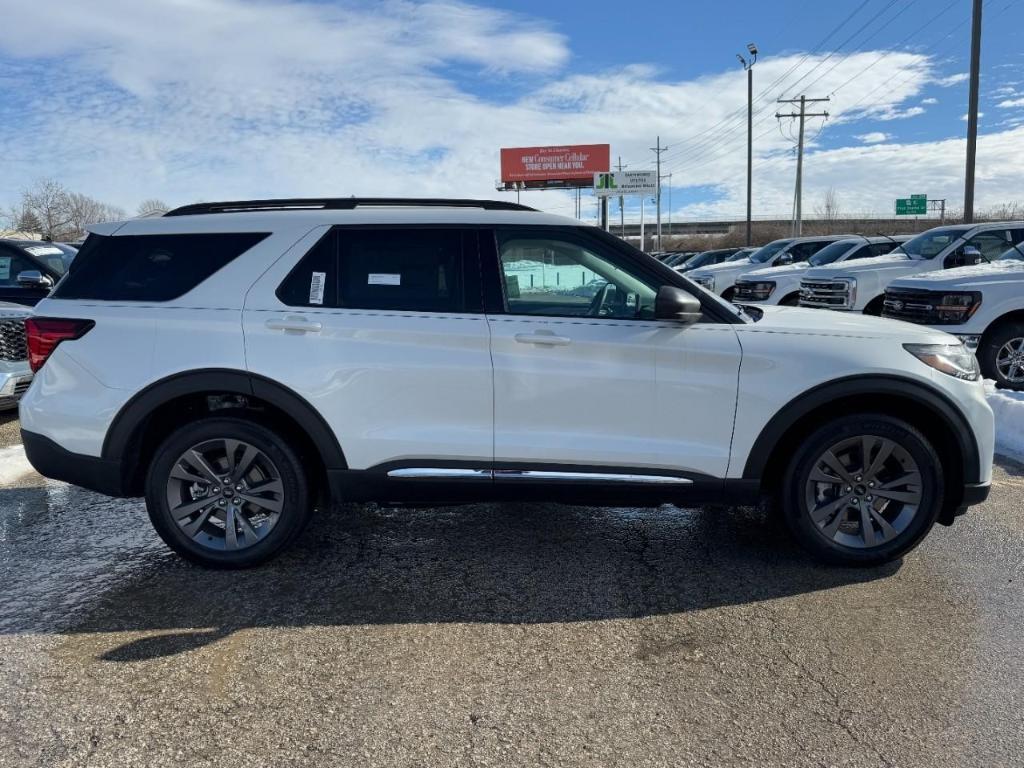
{"x": 342, "y": 204}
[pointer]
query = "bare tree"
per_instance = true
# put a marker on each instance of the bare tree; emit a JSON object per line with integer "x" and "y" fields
{"x": 50, "y": 205}
{"x": 1004, "y": 212}
{"x": 85, "y": 210}
{"x": 153, "y": 207}
{"x": 828, "y": 211}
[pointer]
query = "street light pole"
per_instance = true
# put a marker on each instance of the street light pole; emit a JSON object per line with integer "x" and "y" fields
{"x": 749, "y": 67}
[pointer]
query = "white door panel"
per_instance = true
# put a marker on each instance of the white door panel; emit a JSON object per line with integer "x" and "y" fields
{"x": 621, "y": 393}
{"x": 391, "y": 386}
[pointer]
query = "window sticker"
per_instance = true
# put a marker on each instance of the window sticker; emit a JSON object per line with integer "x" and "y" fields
{"x": 383, "y": 279}
{"x": 316, "y": 287}
{"x": 44, "y": 250}
{"x": 5, "y": 268}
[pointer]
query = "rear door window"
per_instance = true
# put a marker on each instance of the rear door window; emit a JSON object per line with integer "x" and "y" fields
{"x": 401, "y": 269}
{"x": 150, "y": 267}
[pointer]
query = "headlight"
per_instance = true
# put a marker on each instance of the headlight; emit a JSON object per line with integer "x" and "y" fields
{"x": 760, "y": 290}
{"x": 952, "y": 359}
{"x": 706, "y": 281}
{"x": 956, "y": 308}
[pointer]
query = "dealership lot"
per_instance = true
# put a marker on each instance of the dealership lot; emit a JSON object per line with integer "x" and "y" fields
{"x": 505, "y": 634}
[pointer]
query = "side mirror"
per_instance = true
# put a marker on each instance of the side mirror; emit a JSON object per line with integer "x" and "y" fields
{"x": 784, "y": 259}
{"x": 966, "y": 256}
{"x": 33, "y": 278}
{"x": 677, "y": 305}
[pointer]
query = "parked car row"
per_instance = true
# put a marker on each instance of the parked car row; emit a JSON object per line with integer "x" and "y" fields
{"x": 965, "y": 279}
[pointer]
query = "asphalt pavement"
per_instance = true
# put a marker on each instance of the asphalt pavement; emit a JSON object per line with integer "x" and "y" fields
{"x": 506, "y": 635}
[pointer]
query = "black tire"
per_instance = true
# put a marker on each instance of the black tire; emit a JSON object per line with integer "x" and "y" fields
{"x": 875, "y": 306}
{"x": 295, "y": 507}
{"x": 793, "y": 300}
{"x": 914, "y": 446}
{"x": 990, "y": 347}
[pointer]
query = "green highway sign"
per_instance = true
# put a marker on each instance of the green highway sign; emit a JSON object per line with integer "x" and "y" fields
{"x": 915, "y": 205}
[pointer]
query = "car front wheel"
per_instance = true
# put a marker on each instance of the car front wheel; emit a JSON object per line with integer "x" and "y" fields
{"x": 863, "y": 490}
{"x": 226, "y": 493}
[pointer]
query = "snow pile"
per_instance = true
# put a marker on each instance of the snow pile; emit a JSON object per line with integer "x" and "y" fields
{"x": 13, "y": 465}
{"x": 1009, "y": 409}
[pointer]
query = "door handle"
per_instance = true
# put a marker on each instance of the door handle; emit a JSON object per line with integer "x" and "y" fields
{"x": 545, "y": 339}
{"x": 294, "y": 324}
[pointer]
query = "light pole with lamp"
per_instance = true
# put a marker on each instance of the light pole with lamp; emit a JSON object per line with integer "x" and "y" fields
{"x": 749, "y": 67}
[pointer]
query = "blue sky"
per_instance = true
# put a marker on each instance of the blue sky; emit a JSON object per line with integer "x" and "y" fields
{"x": 187, "y": 100}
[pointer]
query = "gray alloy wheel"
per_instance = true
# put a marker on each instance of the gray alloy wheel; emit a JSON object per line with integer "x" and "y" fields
{"x": 225, "y": 494}
{"x": 863, "y": 491}
{"x": 1010, "y": 361}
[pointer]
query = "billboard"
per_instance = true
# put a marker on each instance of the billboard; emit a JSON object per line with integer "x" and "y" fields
{"x": 625, "y": 183}
{"x": 564, "y": 166}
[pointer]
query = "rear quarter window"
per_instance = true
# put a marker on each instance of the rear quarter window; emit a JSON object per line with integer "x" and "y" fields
{"x": 150, "y": 267}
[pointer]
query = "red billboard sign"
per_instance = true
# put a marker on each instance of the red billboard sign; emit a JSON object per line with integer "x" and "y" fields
{"x": 535, "y": 166}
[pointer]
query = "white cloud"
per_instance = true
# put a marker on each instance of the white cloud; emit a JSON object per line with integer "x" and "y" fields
{"x": 930, "y": 100}
{"x": 900, "y": 114}
{"x": 304, "y": 98}
{"x": 874, "y": 137}
{"x": 1007, "y": 103}
{"x": 952, "y": 79}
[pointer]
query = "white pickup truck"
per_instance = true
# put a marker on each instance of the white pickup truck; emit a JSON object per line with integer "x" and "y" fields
{"x": 781, "y": 285}
{"x": 982, "y": 305}
{"x": 860, "y": 286}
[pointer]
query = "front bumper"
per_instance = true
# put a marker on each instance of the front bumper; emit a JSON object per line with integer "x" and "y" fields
{"x": 14, "y": 381}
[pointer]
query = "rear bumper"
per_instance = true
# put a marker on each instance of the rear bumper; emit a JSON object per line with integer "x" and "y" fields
{"x": 91, "y": 472}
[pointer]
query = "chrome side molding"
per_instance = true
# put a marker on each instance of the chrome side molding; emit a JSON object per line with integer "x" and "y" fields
{"x": 438, "y": 473}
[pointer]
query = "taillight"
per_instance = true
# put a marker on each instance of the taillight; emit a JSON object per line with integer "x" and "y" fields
{"x": 45, "y": 333}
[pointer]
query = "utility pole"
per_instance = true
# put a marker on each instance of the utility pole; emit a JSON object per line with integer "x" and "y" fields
{"x": 642, "y": 237}
{"x": 972, "y": 113}
{"x": 657, "y": 150}
{"x": 749, "y": 67}
{"x": 803, "y": 115}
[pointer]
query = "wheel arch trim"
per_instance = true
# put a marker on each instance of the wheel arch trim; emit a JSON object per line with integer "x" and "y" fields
{"x": 878, "y": 385}
{"x": 125, "y": 425}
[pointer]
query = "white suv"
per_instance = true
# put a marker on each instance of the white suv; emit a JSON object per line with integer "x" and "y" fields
{"x": 860, "y": 286}
{"x": 237, "y": 363}
{"x": 781, "y": 285}
{"x": 982, "y": 305}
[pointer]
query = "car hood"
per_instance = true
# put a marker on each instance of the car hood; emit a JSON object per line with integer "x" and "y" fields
{"x": 816, "y": 322}
{"x": 974, "y": 277}
{"x": 888, "y": 262}
{"x": 770, "y": 272}
{"x": 726, "y": 266}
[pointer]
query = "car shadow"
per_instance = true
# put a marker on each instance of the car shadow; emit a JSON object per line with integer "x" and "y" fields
{"x": 498, "y": 563}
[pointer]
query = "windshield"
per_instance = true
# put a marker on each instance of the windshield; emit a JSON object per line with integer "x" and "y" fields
{"x": 762, "y": 255}
{"x": 743, "y": 253}
{"x": 833, "y": 252}
{"x": 1014, "y": 254}
{"x": 930, "y": 244}
{"x": 703, "y": 259}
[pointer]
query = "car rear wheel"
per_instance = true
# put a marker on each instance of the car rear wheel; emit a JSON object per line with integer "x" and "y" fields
{"x": 1001, "y": 356}
{"x": 226, "y": 493}
{"x": 863, "y": 490}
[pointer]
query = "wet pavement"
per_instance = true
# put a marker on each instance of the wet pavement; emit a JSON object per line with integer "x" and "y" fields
{"x": 512, "y": 635}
